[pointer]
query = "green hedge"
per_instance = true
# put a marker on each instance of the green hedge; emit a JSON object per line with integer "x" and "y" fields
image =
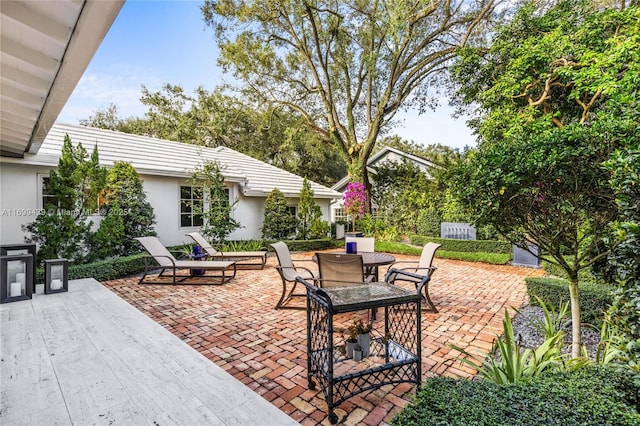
{"x": 308, "y": 245}
{"x": 588, "y": 396}
{"x": 487, "y": 246}
{"x": 595, "y": 299}
{"x": 401, "y": 248}
{"x": 103, "y": 270}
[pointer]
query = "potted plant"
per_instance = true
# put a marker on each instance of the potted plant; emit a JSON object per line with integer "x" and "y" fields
{"x": 351, "y": 341}
{"x": 360, "y": 333}
{"x": 354, "y": 200}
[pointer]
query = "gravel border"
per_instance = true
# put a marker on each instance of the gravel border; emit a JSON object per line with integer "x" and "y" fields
{"x": 529, "y": 337}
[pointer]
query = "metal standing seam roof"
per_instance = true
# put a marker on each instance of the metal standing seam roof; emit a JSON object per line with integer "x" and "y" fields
{"x": 160, "y": 157}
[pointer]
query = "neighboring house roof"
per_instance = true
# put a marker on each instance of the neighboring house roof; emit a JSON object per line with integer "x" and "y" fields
{"x": 45, "y": 48}
{"x": 152, "y": 156}
{"x": 387, "y": 154}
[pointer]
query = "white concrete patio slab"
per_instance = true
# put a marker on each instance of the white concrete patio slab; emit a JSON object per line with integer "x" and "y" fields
{"x": 88, "y": 357}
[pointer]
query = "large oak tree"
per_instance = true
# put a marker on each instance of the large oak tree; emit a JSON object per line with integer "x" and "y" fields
{"x": 346, "y": 66}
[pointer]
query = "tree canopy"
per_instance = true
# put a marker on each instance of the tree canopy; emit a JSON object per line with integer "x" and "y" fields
{"x": 554, "y": 95}
{"x": 213, "y": 118}
{"x": 346, "y": 67}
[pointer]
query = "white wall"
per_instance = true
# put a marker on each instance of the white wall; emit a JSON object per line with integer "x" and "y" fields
{"x": 163, "y": 193}
{"x": 20, "y": 201}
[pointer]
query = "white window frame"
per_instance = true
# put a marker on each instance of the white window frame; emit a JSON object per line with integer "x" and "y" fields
{"x": 205, "y": 203}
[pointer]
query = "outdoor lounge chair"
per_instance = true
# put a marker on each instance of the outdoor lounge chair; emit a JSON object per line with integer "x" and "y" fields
{"x": 166, "y": 262}
{"x": 424, "y": 268}
{"x": 288, "y": 272}
{"x": 238, "y": 256}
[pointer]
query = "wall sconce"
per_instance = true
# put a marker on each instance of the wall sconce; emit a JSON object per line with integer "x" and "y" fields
{"x": 56, "y": 276}
{"x": 17, "y": 277}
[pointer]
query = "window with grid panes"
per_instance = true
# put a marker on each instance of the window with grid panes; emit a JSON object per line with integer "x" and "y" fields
{"x": 191, "y": 205}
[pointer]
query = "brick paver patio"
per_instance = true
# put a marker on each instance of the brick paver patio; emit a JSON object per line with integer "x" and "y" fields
{"x": 236, "y": 327}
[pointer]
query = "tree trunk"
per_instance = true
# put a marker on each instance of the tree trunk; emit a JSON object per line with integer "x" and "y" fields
{"x": 367, "y": 186}
{"x": 576, "y": 327}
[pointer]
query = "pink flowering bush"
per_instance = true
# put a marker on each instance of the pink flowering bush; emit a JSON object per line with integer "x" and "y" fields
{"x": 354, "y": 201}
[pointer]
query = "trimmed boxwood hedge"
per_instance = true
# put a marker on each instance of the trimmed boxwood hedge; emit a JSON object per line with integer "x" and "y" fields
{"x": 595, "y": 298}
{"x": 448, "y": 244}
{"x": 103, "y": 270}
{"x": 593, "y": 395}
{"x": 308, "y": 245}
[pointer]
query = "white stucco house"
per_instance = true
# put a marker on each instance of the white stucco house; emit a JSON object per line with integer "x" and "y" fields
{"x": 165, "y": 168}
{"x": 386, "y": 154}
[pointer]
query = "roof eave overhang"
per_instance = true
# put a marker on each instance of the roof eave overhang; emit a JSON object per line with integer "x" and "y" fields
{"x": 92, "y": 26}
{"x": 25, "y": 126}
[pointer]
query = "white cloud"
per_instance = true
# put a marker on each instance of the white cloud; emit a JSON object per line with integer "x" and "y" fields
{"x": 118, "y": 84}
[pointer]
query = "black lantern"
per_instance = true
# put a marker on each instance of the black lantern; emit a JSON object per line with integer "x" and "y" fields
{"x": 16, "y": 272}
{"x": 56, "y": 276}
{"x": 13, "y": 249}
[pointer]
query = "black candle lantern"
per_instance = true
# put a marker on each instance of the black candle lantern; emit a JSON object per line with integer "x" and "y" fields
{"x": 13, "y": 249}
{"x": 16, "y": 272}
{"x": 56, "y": 276}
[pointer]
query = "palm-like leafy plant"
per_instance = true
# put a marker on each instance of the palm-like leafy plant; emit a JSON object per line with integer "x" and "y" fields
{"x": 515, "y": 363}
{"x": 551, "y": 324}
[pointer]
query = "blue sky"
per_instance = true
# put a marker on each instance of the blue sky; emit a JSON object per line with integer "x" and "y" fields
{"x": 152, "y": 43}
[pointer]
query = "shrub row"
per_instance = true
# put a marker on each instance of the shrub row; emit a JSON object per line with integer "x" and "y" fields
{"x": 587, "y": 396}
{"x": 487, "y": 246}
{"x": 595, "y": 298}
{"x": 308, "y": 245}
{"x": 103, "y": 270}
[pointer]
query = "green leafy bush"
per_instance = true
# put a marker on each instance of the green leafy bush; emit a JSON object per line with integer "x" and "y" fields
{"x": 243, "y": 245}
{"x": 491, "y": 258}
{"x": 310, "y": 223}
{"x": 309, "y": 245}
{"x": 103, "y": 270}
{"x": 595, "y": 298}
{"x": 109, "y": 239}
{"x": 401, "y": 248}
{"x": 61, "y": 230}
{"x": 591, "y": 396}
{"x": 216, "y": 210}
{"x": 487, "y": 246}
{"x": 624, "y": 314}
{"x": 279, "y": 222}
{"x": 126, "y": 198}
